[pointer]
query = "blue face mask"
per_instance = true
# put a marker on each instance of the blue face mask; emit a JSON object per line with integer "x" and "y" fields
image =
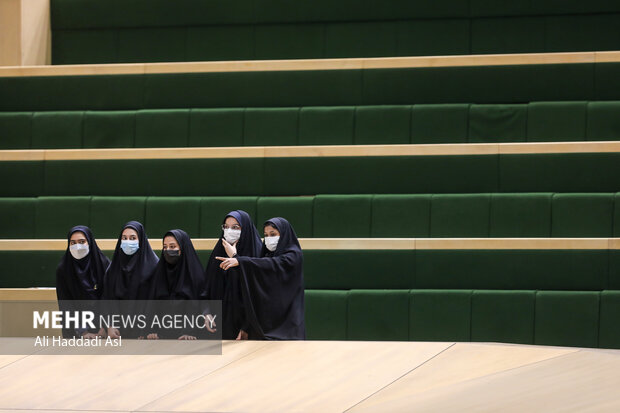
{"x": 130, "y": 247}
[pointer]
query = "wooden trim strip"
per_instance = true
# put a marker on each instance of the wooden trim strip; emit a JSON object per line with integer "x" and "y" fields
{"x": 310, "y": 151}
{"x": 311, "y": 64}
{"x": 363, "y": 244}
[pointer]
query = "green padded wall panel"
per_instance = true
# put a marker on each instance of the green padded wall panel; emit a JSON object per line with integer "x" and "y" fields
{"x": 27, "y": 178}
{"x": 360, "y": 39}
{"x": 378, "y": 315}
{"x": 362, "y": 269}
{"x": 326, "y": 126}
{"x": 603, "y": 121}
{"x": 109, "y": 129}
{"x": 25, "y": 269}
{"x": 17, "y": 217}
{"x": 297, "y": 210}
{"x": 504, "y": 316}
{"x": 15, "y": 130}
{"x": 382, "y": 125}
{"x": 289, "y": 41}
{"x": 162, "y": 128}
{"x": 497, "y": 123}
{"x": 216, "y": 127}
{"x": 582, "y": 215}
{"x": 56, "y": 215}
{"x": 433, "y": 37}
{"x": 609, "y": 328}
{"x": 556, "y": 121}
{"x": 439, "y": 315}
{"x": 401, "y": 216}
{"x": 342, "y": 216}
{"x": 109, "y": 214}
{"x": 456, "y": 216}
{"x": 220, "y": 43}
{"x": 166, "y": 213}
{"x": 272, "y": 126}
{"x": 439, "y": 123}
{"x": 57, "y": 130}
{"x": 508, "y": 35}
{"x": 520, "y": 215}
{"x": 569, "y": 318}
{"x": 162, "y": 44}
{"x": 326, "y": 314}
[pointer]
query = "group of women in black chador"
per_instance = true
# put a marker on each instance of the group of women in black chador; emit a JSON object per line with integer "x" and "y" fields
{"x": 259, "y": 283}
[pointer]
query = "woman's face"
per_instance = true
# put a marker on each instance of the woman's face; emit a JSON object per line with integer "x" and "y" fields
{"x": 170, "y": 243}
{"x": 271, "y": 231}
{"x": 129, "y": 234}
{"x": 231, "y": 223}
{"x": 78, "y": 237}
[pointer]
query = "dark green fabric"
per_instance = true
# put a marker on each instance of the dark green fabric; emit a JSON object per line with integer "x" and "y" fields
{"x": 57, "y": 130}
{"x": 614, "y": 270}
{"x": 166, "y": 213}
{"x": 297, "y": 210}
{"x": 439, "y": 123}
{"x": 151, "y": 45}
{"x": 17, "y": 217}
{"x": 378, "y": 315}
{"x": 191, "y": 177}
{"x": 213, "y": 211}
{"x": 216, "y": 127}
{"x": 520, "y": 215}
{"x": 84, "y": 46}
{"x": 582, "y": 215}
{"x": 342, "y": 216}
{"x": 26, "y": 269}
{"x": 273, "y": 126}
{"x": 569, "y": 318}
{"x": 433, "y": 37}
{"x": 401, "y": 216}
{"x": 512, "y": 269}
{"x": 326, "y": 314}
{"x": 457, "y": 216}
{"x": 480, "y": 84}
{"x": 220, "y": 43}
{"x": 354, "y": 175}
{"x": 55, "y": 216}
{"x": 326, "y": 125}
{"x": 508, "y": 35}
{"x": 439, "y": 315}
{"x": 603, "y": 121}
{"x": 479, "y": 8}
{"x": 109, "y": 129}
{"x": 15, "y": 130}
{"x": 504, "y": 316}
{"x": 382, "y": 125}
{"x": 617, "y": 215}
{"x": 582, "y": 33}
{"x": 568, "y": 172}
{"x": 162, "y": 128}
{"x": 109, "y": 214}
{"x": 497, "y": 123}
{"x": 289, "y": 41}
{"x": 370, "y": 39}
{"x": 28, "y": 178}
{"x": 556, "y": 121}
{"x": 609, "y": 328}
{"x": 363, "y": 269}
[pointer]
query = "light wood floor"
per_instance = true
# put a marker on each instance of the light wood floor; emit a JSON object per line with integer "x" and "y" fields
{"x": 321, "y": 376}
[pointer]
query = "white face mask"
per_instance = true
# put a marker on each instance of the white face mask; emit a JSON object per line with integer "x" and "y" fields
{"x": 232, "y": 235}
{"x": 272, "y": 243}
{"x": 79, "y": 251}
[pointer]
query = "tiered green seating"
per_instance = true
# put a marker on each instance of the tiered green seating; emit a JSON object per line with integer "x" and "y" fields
{"x": 138, "y": 31}
{"x": 326, "y": 125}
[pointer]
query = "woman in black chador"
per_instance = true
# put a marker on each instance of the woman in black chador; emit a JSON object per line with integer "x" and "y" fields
{"x": 178, "y": 276}
{"x": 80, "y": 274}
{"x": 239, "y": 236}
{"x": 129, "y": 276}
{"x": 273, "y": 284}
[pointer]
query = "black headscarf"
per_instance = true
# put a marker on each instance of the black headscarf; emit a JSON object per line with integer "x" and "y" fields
{"x": 183, "y": 280}
{"x": 273, "y": 288}
{"x": 80, "y": 279}
{"x": 224, "y": 285}
{"x": 129, "y": 276}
